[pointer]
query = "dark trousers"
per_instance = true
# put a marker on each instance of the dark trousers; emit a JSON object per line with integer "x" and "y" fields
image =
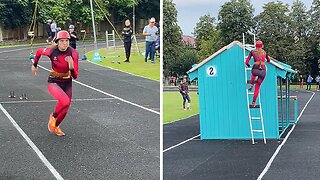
{"x": 309, "y": 86}
{"x": 127, "y": 47}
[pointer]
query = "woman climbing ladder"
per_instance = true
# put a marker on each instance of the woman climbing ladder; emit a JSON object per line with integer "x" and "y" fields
{"x": 258, "y": 68}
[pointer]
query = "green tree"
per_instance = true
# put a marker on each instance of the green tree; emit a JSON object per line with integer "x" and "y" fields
{"x": 210, "y": 46}
{"x": 298, "y": 31}
{"x": 314, "y": 38}
{"x": 235, "y": 18}
{"x": 208, "y": 38}
{"x": 204, "y": 28}
{"x": 187, "y": 58}
{"x": 172, "y": 41}
{"x": 273, "y": 29}
{"x": 16, "y": 13}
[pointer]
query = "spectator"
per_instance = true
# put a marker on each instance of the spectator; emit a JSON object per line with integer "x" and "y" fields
{"x": 150, "y": 31}
{"x": 126, "y": 33}
{"x": 301, "y": 81}
{"x": 309, "y": 80}
{"x": 318, "y": 82}
{"x": 184, "y": 91}
{"x": 53, "y": 27}
{"x": 73, "y": 37}
{"x": 48, "y": 30}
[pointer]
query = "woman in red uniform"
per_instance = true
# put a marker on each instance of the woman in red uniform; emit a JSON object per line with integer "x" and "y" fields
{"x": 64, "y": 60}
{"x": 258, "y": 69}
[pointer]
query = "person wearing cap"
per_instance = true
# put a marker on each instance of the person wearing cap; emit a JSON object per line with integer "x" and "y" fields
{"x": 126, "y": 33}
{"x": 73, "y": 37}
{"x": 150, "y": 31}
{"x": 64, "y": 62}
{"x": 258, "y": 69}
{"x": 184, "y": 91}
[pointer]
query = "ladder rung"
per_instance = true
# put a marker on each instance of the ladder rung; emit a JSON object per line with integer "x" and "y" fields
{"x": 251, "y": 93}
{"x": 255, "y": 118}
{"x": 255, "y": 130}
{"x": 257, "y": 106}
{"x": 249, "y": 45}
{"x": 248, "y": 69}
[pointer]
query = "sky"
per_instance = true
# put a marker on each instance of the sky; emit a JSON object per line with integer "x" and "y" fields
{"x": 189, "y": 11}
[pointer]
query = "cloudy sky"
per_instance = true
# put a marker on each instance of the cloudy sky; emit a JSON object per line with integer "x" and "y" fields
{"x": 189, "y": 11}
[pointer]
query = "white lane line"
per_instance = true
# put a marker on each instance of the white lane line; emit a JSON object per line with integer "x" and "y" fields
{"x": 44, "y": 101}
{"x": 181, "y": 143}
{"x": 265, "y": 170}
{"x": 181, "y": 119}
{"x": 33, "y": 146}
{"x": 105, "y": 93}
{"x": 13, "y": 50}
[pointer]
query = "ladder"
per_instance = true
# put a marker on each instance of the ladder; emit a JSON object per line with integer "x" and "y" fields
{"x": 257, "y": 110}
{"x": 111, "y": 41}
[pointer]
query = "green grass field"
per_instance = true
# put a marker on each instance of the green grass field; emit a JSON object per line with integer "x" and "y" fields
{"x": 136, "y": 66}
{"x": 172, "y": 106}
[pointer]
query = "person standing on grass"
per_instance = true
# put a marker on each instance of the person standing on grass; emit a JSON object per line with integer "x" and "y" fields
{"x": 301, "y": 81}
{"x": 64, "y": 62}
{"x": 184, "y": 91}
{"x": 73, "y": 37}
{"x": 318, "y": 83}
{"x": 53, "y": 27}
{"x": 127, "y": 33}
{"x": 48, "y": 30}
{"x": 309, "y": 80}
{"x": 150, "y": 31}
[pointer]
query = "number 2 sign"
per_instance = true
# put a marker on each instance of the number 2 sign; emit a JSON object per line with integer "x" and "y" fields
{"x": 211, "y": 71}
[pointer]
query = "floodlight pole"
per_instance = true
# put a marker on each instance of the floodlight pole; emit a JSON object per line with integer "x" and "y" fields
{"x": 134, "y": 20}
{"x": 94, "y": 27}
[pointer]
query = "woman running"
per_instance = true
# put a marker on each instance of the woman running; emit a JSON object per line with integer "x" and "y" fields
{"x": 64, "y": 60}
{"x": 258, "y": 69}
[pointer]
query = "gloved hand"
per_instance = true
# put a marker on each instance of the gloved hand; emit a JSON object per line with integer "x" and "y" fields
{"x": 248, "y": 65}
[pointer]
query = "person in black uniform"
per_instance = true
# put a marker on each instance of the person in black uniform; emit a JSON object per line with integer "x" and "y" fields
{"x": 126, "y": 33}
{"x": 73, "y": 37}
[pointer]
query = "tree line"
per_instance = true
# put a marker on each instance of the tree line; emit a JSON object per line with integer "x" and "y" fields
{"x": 18, "y": 13}
{"x": 291, "y": 34}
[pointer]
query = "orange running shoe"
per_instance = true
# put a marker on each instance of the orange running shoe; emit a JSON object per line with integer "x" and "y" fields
{"x": 58, "y": 131}
{"x": 52, "y": 123}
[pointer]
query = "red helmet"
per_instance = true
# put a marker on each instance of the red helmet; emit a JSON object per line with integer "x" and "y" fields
{"x": 259, "y": 44}
{"x": 62, "y": 35}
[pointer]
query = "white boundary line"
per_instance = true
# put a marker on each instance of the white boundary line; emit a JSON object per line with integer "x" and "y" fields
{"x": 180, "y": 119}
{"x": 181, "y": 143}
{"x": 265, "y": 170}
{"x": 51, "y": 100}
{"x": 105, "y": 93}
{"x": 33, "y": 146}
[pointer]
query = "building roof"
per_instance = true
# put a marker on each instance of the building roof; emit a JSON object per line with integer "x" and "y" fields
{"x": 189, "y": 40}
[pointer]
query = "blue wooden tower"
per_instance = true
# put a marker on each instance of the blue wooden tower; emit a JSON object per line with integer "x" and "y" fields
{"x": 223, "y": 100}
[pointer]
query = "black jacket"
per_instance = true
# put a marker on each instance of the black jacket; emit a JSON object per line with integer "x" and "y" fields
{"x": 126, "y": 33}
{"x": 72, "y": 39}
